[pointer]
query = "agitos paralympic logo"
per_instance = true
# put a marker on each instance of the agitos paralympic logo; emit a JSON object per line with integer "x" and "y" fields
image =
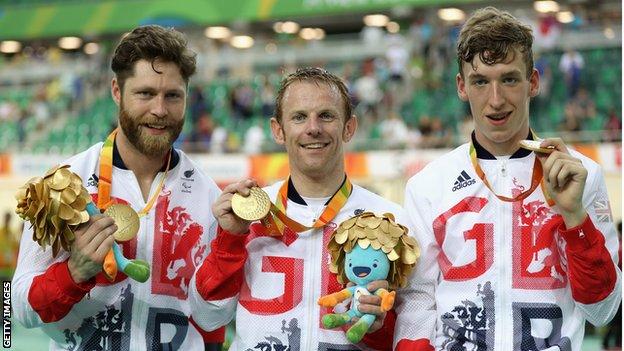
{"x": 6, "y": 314}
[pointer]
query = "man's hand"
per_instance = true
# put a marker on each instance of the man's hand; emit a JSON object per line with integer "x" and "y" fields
{"x": 222, "y": 208}
{"x": 565, "y": 178}
{"x": 371, "y": 304}
{"x": 93, "y": 241}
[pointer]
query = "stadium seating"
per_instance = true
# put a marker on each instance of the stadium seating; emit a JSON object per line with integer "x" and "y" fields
{"x": 601, "y": 76}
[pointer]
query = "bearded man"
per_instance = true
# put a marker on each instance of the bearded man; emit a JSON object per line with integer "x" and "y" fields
{"x": 69, "y": 296}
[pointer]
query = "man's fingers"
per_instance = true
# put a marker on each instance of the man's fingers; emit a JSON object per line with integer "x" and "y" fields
{"x": 242, "y": 187}
{"x": 99, "y": 223}
{"x": 103, "y": 249}
{"x": 81, "y": 229}
{"x": 553, "y": 172}
{"x": 370, "y": 304}
{"x": 569, "y": 171}
{"x": 371, "y": 309}
{"x": 377, "y": 284}
{"x": 559, "y": 170}
{"x": 555, "y": 162}
{"x": 231, "y": 188}
{"x": 550, "y": 159}
{"x": 564, "y": 175}
{"x": 223, "y": 205}
{"x": 557, "y": 143}
{"x": 370, "y": 299}
{"x": 100, "y": 236}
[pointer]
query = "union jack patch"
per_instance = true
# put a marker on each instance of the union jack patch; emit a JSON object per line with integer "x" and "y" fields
{"x": 603, "y": 211}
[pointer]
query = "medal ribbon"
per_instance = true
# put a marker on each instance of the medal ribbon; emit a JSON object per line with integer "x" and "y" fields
{"x": 106, "y": 177}
{"x": 277, "y": 219}
{"x": 536, "y": 178}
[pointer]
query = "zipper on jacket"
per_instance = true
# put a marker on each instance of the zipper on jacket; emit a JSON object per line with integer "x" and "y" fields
{"x": 138, "y": 288}
{"x": 504, "y": 168}
{"x": 311, "y": 304}
{"x": 502, "y": 279}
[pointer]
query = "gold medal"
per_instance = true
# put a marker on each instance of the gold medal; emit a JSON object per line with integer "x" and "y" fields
{"x": 534, "y": 145}
{"x": 126, "y": 219}
{"x": 253, "y": 207}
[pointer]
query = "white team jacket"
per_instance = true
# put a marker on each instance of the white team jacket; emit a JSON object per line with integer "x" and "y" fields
{"x": 494, "y": 275}
{"x": 283, "y": 280}
{"x": 173, "y": 238}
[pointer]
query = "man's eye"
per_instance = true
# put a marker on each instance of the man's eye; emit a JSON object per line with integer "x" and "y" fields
{"x": 480, "y": 82}
{"x": 510, "y": 80}
{"x": 298, "y": 117}
{"x": 327, "y": 116}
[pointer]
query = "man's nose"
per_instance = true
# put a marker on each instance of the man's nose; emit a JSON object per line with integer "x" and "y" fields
{"x": 497, "y": 98}
{"x": 159, "y": 106}
{"x": 314, "y": 126}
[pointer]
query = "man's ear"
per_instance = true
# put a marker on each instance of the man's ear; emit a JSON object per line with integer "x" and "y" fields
{"x": 116, "y": 91}
{"x": 534, "y": 83}
{"x": 349, "y": 129}
{"x": 277, "y": 131}
{"x": 461, "y": 87}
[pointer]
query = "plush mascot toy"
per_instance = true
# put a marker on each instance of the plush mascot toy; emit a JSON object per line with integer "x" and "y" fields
{"x": 57, "y": 203}
{"x": 365, "y": 248}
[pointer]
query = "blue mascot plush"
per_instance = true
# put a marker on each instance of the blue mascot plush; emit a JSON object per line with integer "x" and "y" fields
{"x": 363, "y": 249}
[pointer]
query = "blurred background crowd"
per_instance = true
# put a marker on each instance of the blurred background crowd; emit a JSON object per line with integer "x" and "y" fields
{"x": 399, "y": 65}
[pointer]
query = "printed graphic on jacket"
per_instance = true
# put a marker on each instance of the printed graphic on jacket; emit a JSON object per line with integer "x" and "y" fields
{"x": 291, "y": 269}
{"x": 292, "y": 334}
{"x": 537, "y": 326}
{"x": 107, "y": 330}
{"x": 470, "y": 326}
{"x": 177, "y": 249}
{"x": 538, "y": 264}
{"x": 603, "y": 210}
{"x": 536, "y": 250}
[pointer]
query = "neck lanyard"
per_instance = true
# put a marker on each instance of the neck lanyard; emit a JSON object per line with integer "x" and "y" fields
{"x": 278, "y": 219}
{"x": 536, "y": 178}
{"x": 106, "y": 177}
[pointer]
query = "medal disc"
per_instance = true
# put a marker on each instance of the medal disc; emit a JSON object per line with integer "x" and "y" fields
{"x": 534, "y": 145}
{"x": 126, "y": 219}
{"x": 253, "y": 207}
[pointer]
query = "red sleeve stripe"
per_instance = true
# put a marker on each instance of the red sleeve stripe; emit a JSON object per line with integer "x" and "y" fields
{"x": 590, "y": 268}
{"x": 53, "y": 293}
{"x": 222, "y": 273}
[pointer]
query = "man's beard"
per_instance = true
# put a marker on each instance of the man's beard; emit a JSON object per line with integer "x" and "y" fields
{"x": 149, "y": 145}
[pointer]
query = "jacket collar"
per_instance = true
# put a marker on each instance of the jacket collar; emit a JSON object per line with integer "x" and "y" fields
{"x": 483, "y": 154}
{"x": 119, "y": 163}
{"x": 294, "y": 196}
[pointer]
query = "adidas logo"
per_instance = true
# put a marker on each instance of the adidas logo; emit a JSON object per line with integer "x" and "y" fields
{"x": 93, "y": 180}
{"x": 463, "y": 180}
